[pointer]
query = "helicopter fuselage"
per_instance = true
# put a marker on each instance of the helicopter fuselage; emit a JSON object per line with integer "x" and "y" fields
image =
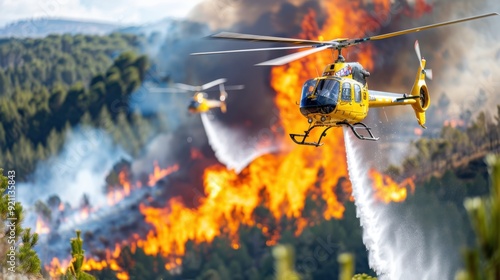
{"x": 340, "y": 97}
{"x": 200, "y": 104}
{"x": 336, "y": 97}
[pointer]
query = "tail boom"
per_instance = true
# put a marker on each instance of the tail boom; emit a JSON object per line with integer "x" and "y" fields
{"x": 421, "y": 93}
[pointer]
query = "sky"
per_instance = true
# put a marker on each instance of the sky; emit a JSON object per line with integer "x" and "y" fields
{"x": 126, "y": 12}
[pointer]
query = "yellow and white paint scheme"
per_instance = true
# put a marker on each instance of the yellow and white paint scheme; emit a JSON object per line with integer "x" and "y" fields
{"x": 340, "y": 96}
{"x": 200, "y": 104}
{"x": 419, "y": 97}
{"x": 355, "y": 108}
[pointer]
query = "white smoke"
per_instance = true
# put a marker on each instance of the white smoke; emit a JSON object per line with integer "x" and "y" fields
{"x": 80, "y": 168}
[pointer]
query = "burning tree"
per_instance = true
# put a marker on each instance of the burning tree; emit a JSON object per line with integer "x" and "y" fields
{"x": 17, "y": 255}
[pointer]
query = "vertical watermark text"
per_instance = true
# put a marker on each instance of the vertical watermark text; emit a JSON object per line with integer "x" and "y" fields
{"x": 11, "y": 222}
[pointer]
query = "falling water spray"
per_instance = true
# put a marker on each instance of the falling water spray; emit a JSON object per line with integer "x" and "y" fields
{"x": 404, "y": 242}
{"x": 233, "y": 147}
{"x": 365, "y": 206}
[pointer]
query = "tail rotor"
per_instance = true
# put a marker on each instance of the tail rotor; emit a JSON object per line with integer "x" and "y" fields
{"x": 420, "y": 90}
{"x": 427, "y": 72}
{"x": 222, "y": 98}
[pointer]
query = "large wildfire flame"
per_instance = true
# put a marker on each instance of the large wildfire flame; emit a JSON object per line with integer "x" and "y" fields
{"x": 280, "y": 182}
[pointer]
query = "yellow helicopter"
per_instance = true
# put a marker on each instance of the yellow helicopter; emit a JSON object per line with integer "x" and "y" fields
{"x": 340, "y": 97}
{"x": 200, "y": 102}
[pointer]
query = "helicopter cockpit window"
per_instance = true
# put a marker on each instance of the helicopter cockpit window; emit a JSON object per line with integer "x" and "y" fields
{"x": 357, "y": 93}
{"x": 194, "y": 104}
{"x": 308, "y": 88}
{"x": 328, "y": 88}
{"x": 346, "y": 92}
{"x": 320, "y": 96}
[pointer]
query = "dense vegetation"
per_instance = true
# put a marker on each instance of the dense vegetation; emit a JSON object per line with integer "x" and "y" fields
{"x": 49, "y": 86}
{"x": 453, "y": 148}
{"x": 57, "y": 60}
{"x": 17, "y": 253}
{"x": 439, "y": 196}
{"x": 481, "y": 260}
{"x": 318, "y": 246}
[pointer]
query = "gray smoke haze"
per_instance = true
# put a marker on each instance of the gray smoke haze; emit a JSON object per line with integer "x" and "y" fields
{"x": 230, "y": 13}
{"x": 465, "y": 59}
{"x": 461, "y": 55}
{"x": 80, "y": 168}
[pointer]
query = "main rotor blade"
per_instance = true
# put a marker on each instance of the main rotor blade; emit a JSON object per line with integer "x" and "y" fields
{"x": 187, "y": 87}
{"x": 231, "y": 87}
{"x": 417, "y": 29}
{"x": 235, "y": 87}
{"x": 213, "y": 83}
{"x": 163, "y": 90}
{"x": 428, "y": 73}
{"x": 417, "y": 50}
{"x": 250, "y": 37}
{"x": 291, "y": 57}
{"x": 251, "y": 50}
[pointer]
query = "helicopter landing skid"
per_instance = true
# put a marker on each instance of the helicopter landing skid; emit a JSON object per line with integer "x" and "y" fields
{"x": 306, "y": 134}
{"x": 362, "y": 126}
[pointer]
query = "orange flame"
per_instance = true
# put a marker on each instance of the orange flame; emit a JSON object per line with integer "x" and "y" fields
{"x": 58, "y": 268}
{"x": 386, "y": 190}
{"x": 196, "y": 154}
{"x": 279, "y": 182}
{"x": 41, "y": 226}
{"x": 124, "y": 182}
{"x": 159, "y": 173}
{"x": 55, "y": 268}
{"x": 125, "y": 186}
{"x": 84, "y": 213}
{"x": 454, "y": 123}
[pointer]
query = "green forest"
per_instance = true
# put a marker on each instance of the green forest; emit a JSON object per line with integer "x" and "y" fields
{"x": 49, "y": 86}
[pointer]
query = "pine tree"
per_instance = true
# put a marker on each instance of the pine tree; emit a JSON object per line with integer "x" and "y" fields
{"x": 4, "y": 84}
{"x": 124, "y": 134}
{"x": 363, "y": 276}
{"x": 86, "y": 119}
{"x": 54, "y": 142}
{"x": 74, "y": 270}
{"x": 16, "y": 246}
{"x": 29, "y": 261}
{"x": 284, "y": 263}
{"x": 483, "y": 261}
{"x": 40, "y": 152}
{"x": 142, "y": 128}
{"x": 346, "y": 262}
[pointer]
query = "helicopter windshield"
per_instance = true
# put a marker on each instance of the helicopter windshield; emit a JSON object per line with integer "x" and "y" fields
{"x": 193, "y": 105}
{"x": 319, "y": 96}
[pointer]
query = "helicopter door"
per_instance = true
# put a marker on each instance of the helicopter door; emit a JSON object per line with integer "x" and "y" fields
{"x": 346, "y": 106}
{"x": 357, "y": 94}
{"x": 358, "y": 107}
{"x": 346, "y": 96}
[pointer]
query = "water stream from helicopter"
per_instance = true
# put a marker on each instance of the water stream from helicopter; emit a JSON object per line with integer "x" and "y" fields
{"x": 233, "y": 148}
{"x": 398, "y": 246}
